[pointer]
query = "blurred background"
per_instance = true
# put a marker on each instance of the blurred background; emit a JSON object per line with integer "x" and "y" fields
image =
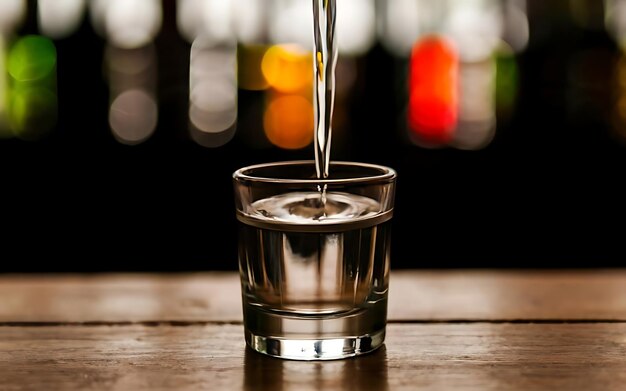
{"x": 121, "y": 122}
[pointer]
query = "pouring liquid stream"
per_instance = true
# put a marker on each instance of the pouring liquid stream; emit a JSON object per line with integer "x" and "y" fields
{"x": 325, "y": 61}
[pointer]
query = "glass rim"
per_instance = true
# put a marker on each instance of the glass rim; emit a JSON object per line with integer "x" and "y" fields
{"x": 386, "y": 173}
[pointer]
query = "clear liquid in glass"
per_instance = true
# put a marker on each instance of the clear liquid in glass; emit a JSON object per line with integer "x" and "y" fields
{"x": 315, "y": 271}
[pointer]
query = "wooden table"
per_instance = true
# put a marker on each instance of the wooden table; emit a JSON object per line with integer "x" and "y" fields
{"x": 463, "y": 329}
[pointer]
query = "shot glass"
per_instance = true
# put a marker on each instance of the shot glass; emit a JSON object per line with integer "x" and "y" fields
{"x": 314, "y": 257}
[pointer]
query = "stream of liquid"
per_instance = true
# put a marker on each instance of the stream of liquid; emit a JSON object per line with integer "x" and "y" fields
{"x": 325, "y": 61}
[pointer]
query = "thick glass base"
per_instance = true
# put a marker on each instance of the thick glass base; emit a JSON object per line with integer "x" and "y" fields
{"x": 315, "y": 349}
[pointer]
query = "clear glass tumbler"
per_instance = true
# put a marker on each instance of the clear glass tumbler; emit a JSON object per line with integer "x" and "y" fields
{"x": 314, "y": 257}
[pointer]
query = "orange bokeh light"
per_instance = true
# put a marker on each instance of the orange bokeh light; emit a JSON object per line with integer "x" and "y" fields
{"x": 433, "y": 90}
{"x": 287, "y": 68}
{"x": 288, "y": 122}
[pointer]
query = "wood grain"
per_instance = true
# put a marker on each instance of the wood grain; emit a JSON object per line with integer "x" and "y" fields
{"x": 508, "y": 295}
{"x": 120, "y": 298}
{"x": 477, "y": 356}
{"x": 414, "y": 296}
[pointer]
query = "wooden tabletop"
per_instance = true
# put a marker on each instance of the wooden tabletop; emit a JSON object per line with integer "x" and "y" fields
{"x": 462, "y": 329}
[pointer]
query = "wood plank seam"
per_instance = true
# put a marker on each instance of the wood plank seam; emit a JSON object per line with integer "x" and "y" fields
{"x": 177, "y": 323}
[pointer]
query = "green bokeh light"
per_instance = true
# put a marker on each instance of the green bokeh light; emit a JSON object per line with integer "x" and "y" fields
{"x": 33, "y": 112}
{"x": 507, "y": 80}
{"x": 31, "y": 58}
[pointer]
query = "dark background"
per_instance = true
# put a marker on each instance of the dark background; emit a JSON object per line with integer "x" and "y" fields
{"x": 547, "y": 192}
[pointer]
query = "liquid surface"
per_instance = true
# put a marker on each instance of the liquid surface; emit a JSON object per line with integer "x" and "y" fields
{"x": 309, "y": 208}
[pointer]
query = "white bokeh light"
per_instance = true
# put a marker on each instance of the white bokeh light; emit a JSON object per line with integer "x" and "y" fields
{"x": 291, "y": 21}
{"x": 402, "y": 22}
{"x": 475, "y": 26}
{"x": 12, "y": 13}
{"x": 97, "y": 15}
{"x": 615, "y": 20}
{"x": 210, "y": 19}
{"x": 476, "y": 125}
{"x": 250, "y": 22}
{"x": 132, "y": 78}
{"x": 132, "y": 23}
{"x": 133, "y": 116}
{"x": 212, "y": 92}
{"x": 4, "y": 85}
{"x": 356, "y": 26}
{"x": 400, "y": 27}
{"x": 189, "y": 17}
{"x": 516, "y": 29}
{"x": 60, "y": 18}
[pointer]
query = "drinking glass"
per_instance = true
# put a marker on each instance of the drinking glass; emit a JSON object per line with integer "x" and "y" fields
{"x": 314, "y": 257}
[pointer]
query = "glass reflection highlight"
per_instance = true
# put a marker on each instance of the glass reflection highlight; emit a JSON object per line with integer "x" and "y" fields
{"x": 284, "y": 375}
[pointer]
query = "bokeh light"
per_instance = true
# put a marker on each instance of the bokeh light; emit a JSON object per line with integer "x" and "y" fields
{"x": 250, "y": 22}
{"x": 12, "y": 13}
{"x": 32, "y": 111}
{"x": 32, "y": 58}
{"x": 433, "y": 91}
{"x": 189, "y": 18}
{"x": 476, "y": 125}
{"x": 4, "y": 91}
{"x": 356, "y": 26}
{"x": 97, "y": 15}
{"x": 218, "y": 20}
{"x": 32, "y": 103}
{"x": 291, "y": 22}
{"x": 507, "y": 81}
{"x": 210, "y": 19}
{"x": 132, "y": 23}
{"x": 213, "y": 92}
{"x": 60, "y": 18}
{"x": 615, "y": 20}
{"x": 287, "y": 68}
{"x": 288, "y": 122}
{"x": 475, "y": 26}
{"x": 132, "y": 77}
{"x": 399, "y": 26}
{"x": 133, "y": 116}
{"x": 402, "y": 22}
{"x": 515, "y": 25}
